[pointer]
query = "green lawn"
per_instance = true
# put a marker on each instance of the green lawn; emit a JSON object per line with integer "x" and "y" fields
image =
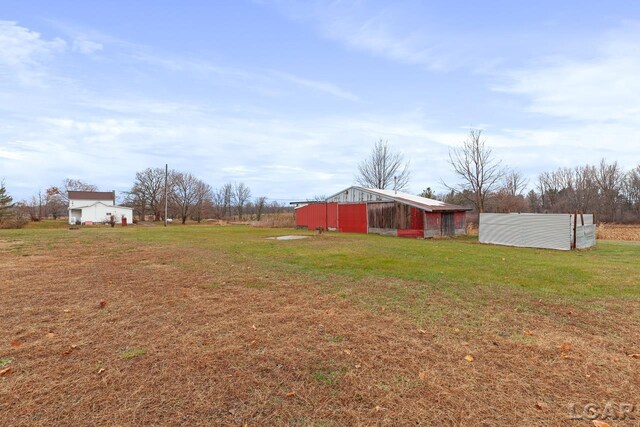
{"x": 612, "y": 269}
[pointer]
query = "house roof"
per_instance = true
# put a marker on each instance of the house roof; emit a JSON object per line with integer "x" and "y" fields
{"x": 429, "y": 205}
{"x": 91, "y": 195}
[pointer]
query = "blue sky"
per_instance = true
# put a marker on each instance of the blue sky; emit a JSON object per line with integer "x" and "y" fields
{"x": 290, "y": 96}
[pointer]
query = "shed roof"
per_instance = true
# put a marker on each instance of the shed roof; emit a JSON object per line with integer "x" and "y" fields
{"x": 429, "y": 205}
{"x": 91, "y": 195}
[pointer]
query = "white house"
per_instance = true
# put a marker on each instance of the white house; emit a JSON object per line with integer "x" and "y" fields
{"x": 91, "y": 207}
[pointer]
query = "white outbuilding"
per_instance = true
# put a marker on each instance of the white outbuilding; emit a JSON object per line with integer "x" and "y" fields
{"x": 97, "y": 207}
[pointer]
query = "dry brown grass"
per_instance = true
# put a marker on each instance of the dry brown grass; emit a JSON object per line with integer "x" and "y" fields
{"x": 618, "y": 232}
{"x": 281, "y": 220}
{"x": 211, "y": 342}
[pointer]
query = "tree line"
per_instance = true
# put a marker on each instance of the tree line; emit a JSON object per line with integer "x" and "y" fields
{"x": 488, "y": 185}
{"x": 191, "y": 198}
{"x": 188, "y": 198}
{"x": 484, "y": 183}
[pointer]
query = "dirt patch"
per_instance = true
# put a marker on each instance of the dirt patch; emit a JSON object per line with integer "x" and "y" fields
{"x": 8, "y": 244}
{"x": 292, "y": 237}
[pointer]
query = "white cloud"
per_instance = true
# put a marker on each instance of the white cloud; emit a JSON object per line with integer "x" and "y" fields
{"x": 23, "y": 54}
{"x": 316, "y": 85}
{"x": 602, "y": 88}
{"x": 86, "y": 47}
{"x": 20, "y": 46}
{"x": 390, "y": 30}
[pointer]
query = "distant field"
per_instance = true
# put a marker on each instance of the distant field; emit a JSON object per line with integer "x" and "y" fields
{"x": 618, "y": 232}
{"x": 206, "y": 325}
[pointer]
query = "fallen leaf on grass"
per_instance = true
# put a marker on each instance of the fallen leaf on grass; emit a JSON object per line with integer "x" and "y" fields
{"x": 422, "y": 331}
{"x": 254, "y": 327}
{"x": 600, "y": 423}
{"x": 635, "y": 355}
{"x": 565, "y": 346}
{"x": 539, "y": 405}
{"x": 469, "y": 358}
{"x": 51, "y": 335}
{"x": 422, "y": 375}
{"x": 291, "y": 394}
{"x": 15, "y": 343}
{"x": 103, "y": 304}
{"x": 378, "y": 408}
{"x": 70, "y": 349}
{"x": 528, "y": 333}
{"x": 5, "y": 371}
{"x": 347, "y": 351}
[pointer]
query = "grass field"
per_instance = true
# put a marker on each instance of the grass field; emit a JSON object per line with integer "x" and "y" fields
{"x": 218, "y": 325}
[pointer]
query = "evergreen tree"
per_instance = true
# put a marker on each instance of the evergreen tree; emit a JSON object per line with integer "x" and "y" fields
{"x": 6, "y": 201}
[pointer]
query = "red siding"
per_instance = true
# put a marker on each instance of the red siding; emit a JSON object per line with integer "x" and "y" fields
{"x": 459, "y": 219}
{"x": 332, "y": 215}
{"x": 433, "y": 220}
{"x": 352, "y": 218}
{"x": 311, "y": 216}
{"x": 417, "y": 222}
{"x": 410, "y": 233}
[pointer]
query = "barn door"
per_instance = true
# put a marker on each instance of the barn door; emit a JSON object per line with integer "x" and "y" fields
{"x": 448, "y": 227}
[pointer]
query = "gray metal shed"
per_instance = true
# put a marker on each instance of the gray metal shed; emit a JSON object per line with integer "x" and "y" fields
{"x": 548, "y": 231}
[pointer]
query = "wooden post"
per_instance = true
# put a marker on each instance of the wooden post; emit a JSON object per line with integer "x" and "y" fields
{"x": 166, "y": 178}
{"x": 575, "y": 226}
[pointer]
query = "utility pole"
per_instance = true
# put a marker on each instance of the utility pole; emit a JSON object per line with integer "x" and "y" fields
{"x": 166, "y": 198}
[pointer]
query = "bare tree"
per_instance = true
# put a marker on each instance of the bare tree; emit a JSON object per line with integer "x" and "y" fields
{"x": 632, "y": 189}
{"x": 217, "y": 200}
{"x": 148, "y": 191}
{"x": 513, "y": 183}
{"x": 71, "y": 184}
{"x": 204, "y": 194}
{"x": 609, "y": 178}
{"x": 384, "y": 169}
{"x": 227, "y": 199}
{"x": 509, "y": 197}
{"x": 259, "y": 206}
{"x": 478, "y": 169}
{"x": 56, "y": 202}
{"x": 241, "y": 194}
{"x": 184, "y": 194}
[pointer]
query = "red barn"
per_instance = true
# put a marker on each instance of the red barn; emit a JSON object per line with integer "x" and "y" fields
{"x": 369, "y": 210}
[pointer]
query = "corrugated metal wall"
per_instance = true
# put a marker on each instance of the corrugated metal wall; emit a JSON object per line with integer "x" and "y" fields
{"x": 316, "y": 215}
{"x": 355, "y": 195}
{"x": 549, "y": 231}
{"x": 585, "y": 233}
{"x": 352, "y": 218}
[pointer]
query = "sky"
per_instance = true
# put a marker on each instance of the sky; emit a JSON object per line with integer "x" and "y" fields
{"x": 288, "y": 97}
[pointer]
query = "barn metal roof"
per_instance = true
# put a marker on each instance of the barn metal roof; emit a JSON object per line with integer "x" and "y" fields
{"x": 429, "y": 205}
